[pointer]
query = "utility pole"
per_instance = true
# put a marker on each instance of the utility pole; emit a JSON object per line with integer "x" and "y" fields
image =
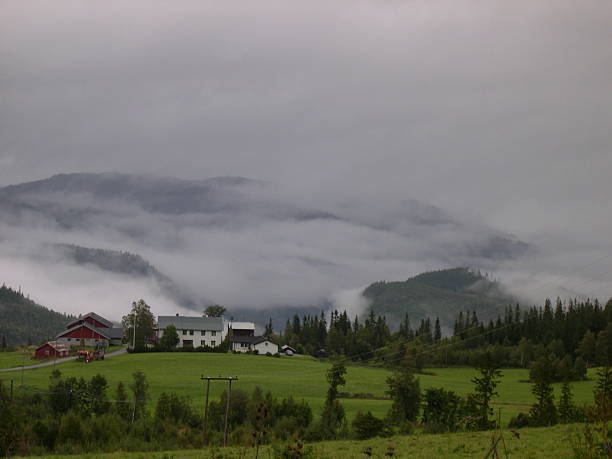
{"x": 227, "y": 407}
{"x": 134, "y": 340}
{"x": 208, "y": 379}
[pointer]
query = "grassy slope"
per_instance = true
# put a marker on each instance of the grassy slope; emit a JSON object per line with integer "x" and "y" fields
{"x": 15, "y": 359}
{"x": 303, "y": 378}
{"x": 550, "y": 442}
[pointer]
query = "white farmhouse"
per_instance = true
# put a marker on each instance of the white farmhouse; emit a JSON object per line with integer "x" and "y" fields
{"x": 261, "y": 344}
{"x": 194, "y": 331}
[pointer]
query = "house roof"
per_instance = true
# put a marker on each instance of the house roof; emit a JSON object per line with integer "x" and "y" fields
{"x": 261, "y": 339}
{"x": 54, "y": 344}
{"x": 286, "y": 346}
{"x": 191, "y": 323}
{"x": 245, "y": 339}
{"x": 101, "y": 331}
{"x": 94, "y": 316}
{"x": 250, "y": 339}
{"x": 242, "y": 325}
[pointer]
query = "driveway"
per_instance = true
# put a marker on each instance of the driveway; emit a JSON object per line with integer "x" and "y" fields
{"x": 49, "y": 363}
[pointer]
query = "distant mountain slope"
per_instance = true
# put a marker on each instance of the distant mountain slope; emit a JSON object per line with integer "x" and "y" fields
{"x": 438, "y": 294}
{"x": 244, "y": 243}
{"x": 119, "y": 201}
{"x": 22, "y": 321}
{"x": 129, "y": 264}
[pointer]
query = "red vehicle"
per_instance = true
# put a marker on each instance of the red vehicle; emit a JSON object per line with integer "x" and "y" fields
{"x": 88, "y": 356}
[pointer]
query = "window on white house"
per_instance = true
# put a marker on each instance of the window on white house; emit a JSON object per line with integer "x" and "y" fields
{"x": 191, "y": 332}
{"x": 214, "y": 333}
{"x": 203, "y": 332}
{"x": 184, "y": 332}
{"x": 213, "y": 343}
{"x": 203, "y": 343}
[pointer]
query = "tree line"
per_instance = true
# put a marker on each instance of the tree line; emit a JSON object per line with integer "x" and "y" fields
{"x": 575, "y": 335}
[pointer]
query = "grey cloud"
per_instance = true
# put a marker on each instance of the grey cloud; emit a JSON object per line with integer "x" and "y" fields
{"x": 497, "y": 112}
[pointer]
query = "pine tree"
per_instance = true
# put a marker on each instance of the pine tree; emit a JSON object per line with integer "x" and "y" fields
{"x": 333, "y": 414}
{"x": 566, "y": 409}
{"x": 485, "y": 390}
{"x": 437, "y": 330}
{"x": 269, "y": 330}
{"x": 405, "y": 392}
{"x": 122, "y": 404}
{"x": 543, "y": 412}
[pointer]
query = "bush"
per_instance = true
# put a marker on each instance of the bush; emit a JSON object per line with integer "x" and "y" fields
{"x": 367, "y": 426}
{"x": 519, "y": 421}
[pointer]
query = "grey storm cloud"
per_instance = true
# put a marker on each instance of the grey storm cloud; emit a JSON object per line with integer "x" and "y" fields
{"x": 498, "y": 112}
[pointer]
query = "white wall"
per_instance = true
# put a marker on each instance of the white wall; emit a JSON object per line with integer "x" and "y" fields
{"x": 198, "y": 337}
{"x": 265, "y": 347}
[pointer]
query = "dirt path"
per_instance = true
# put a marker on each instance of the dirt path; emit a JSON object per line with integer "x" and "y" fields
{"x": 58, "y": 361}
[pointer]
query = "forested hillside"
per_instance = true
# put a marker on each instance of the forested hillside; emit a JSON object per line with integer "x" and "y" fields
{"x": 22, "y": 321}
{"x": 438, "y": 294}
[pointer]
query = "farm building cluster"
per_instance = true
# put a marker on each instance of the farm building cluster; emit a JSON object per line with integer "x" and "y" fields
{"x": 211, "y": 331}
{"x": 93, "y": 330}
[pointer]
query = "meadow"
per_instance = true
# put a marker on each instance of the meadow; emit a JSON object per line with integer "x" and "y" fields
{"x": 16, "y": 358}
{"x": 545, "y": 442}
{"x": 300, "y": 377}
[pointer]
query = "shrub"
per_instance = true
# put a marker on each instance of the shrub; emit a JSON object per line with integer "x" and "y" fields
{"x": 367, "y": 426}
{"x": 519, "y": 421}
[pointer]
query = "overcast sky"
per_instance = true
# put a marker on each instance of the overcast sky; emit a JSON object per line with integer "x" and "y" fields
{"x": 497, "y": 110}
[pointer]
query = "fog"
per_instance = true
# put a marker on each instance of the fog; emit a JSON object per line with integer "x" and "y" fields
{"x": 424, "y": 128}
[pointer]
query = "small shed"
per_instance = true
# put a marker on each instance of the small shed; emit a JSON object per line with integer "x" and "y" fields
{"x": 264, "y": 346}
{"x": 288, "y": 350}
{"x": 51, "y": 350}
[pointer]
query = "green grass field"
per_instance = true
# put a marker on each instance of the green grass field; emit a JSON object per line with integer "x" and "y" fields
{"x": 301, "y": 377}
{"x": 550, "y": 442}
{"x": 16, "y": 358}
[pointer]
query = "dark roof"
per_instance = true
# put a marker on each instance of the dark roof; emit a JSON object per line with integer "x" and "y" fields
{"x": 250, "y": 339}
{"x": 116, "y": 333}
{"x": 94, "y": 316}
{"x": 261, "y": 339}
{"x": 102, "y": 331}
{"x": 245, "y": 339}
{"x": 191, "y": 323}
{"x": 55, "y": 345}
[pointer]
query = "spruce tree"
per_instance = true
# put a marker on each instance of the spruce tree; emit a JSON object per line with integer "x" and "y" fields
{"x": 405, "y": 391}
{"x": 567, "y": 409}
{"x": 543, "y": 412}
{"x": 122, "y": 404}
{"x": 333, "y": 414}
{"x": 485, "y": 390}
{"x": 437, "y": 330}
{"x": 269, "y": 330}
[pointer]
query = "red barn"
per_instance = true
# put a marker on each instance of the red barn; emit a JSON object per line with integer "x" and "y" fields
{"x": 90, "y": 330}
{"x": 50, "y": 350}
{"x": 92, "y": 319}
